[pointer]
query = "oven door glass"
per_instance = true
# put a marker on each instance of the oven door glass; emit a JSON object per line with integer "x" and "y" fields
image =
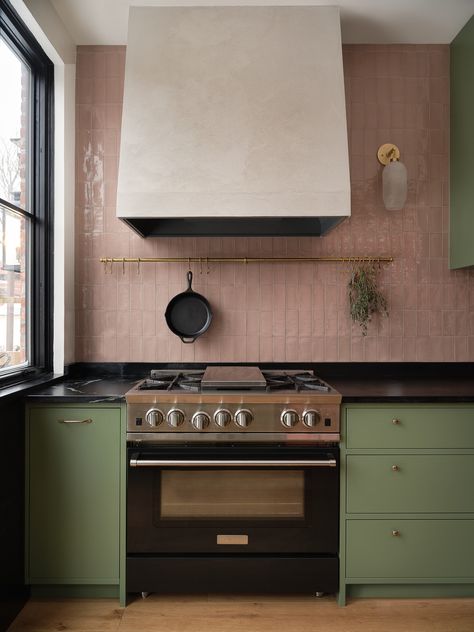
{"x": 215, "y": 509}
{"x": 231, "y": 494}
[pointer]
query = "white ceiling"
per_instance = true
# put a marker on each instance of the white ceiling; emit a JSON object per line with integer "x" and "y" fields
{"x": 363, "y": 21}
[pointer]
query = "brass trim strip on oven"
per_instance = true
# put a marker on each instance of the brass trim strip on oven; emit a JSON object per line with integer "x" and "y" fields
{"x": 232, "y": 539}
{"x": 137, "y": 462}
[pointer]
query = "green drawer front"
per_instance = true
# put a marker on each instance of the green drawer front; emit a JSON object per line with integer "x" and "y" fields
{"x": 437, "y": 427}
{"x": 423, "y": 549}
{"x": 409, "y": 483}
{"x": 74, "y": 489}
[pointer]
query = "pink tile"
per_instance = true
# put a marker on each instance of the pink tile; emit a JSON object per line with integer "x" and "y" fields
{"x": 305, "y": 324}
{"x": 383, "y": 349}
{"x": 396, "y": 349}
{"x": 266, "y": 349}
{"x": 291, "y": 349}
{"x": 291, "y": 323}
{"x": 461, "y": 349}
{"x": 252, "y": 348}
{"x": 115, "y": 62}
{"x": 409, "y": 349}
{"x": 344, "y": 349}
{"x": 279, "y": 348}
{"x": 436, "y": 323}
{"x": 84, "y": 117}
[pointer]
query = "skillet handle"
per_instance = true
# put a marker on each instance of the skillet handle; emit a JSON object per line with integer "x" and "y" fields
{"x": 189, "y": 276}
{"x": 187, "y": 340}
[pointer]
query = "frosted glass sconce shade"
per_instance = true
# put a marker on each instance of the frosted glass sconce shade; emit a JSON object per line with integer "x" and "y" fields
{"x": 394, "y": 185}
{"x": 394, "y": 177}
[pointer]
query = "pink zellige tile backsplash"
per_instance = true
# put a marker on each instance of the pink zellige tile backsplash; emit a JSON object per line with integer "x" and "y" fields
{"x": 292, "y": 312}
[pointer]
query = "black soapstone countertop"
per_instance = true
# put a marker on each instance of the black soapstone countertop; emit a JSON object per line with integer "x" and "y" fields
{"x": 357, "y": 382}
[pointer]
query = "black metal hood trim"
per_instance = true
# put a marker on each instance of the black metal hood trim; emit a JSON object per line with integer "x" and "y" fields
{"x": 232, "y": 226}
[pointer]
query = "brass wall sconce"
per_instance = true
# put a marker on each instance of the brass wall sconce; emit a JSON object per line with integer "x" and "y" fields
{"x": 394, "y": 177}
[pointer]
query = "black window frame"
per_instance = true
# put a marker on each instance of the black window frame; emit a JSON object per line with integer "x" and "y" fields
{"x": 41, "y": 245}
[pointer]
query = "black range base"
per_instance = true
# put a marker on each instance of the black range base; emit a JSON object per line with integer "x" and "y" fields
{"x": 230, "y": 574}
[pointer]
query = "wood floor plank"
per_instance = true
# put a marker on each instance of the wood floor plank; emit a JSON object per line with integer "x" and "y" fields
{"x": 246, "y": 613}
{"x": 78, "y": 615}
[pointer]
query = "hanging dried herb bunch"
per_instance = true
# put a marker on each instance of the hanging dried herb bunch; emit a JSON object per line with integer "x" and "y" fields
{"x": 365, "y": 299}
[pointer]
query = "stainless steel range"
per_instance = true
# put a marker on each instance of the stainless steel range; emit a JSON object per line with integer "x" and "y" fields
{"x": 233, "y": 481}
{"x": 227, "y": 403}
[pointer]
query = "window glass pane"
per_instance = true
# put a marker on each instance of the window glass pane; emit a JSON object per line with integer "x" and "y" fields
{"x": 14, "y": 128}
{"x": 13, "y": 304}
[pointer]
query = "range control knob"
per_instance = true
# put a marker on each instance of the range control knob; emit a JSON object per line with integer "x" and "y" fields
{"x": 200, "y": 420}
{"x": 175, "y": 417}
{"x": 154, "y": 417}
{"x": 289, "y": 418}
{"x": 243, "y": 418}
{"x": 311, "y": 418}
{"x": 222, "y": 417}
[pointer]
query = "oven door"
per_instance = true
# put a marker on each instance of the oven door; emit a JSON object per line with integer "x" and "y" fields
{"x": 232, "y": 499}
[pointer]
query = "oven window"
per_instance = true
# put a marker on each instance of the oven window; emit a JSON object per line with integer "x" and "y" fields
{"x": 232, "y": 494}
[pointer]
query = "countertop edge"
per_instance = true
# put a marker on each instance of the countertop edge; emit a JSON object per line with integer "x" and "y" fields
{"x": 407, "y": 399}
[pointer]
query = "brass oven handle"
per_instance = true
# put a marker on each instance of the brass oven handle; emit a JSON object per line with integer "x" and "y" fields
{"x": 136, "y": 462}
{"x": 74, "y": 421}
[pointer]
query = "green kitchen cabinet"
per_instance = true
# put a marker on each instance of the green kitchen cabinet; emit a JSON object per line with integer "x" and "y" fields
{"x": 409, "y": 483}
{"x": 407, "y": 507}
{"x": 462, "y": 157}
{"x": 75, "y": 499}
{"x": 394, "y": 549}
{"x": 410, "y": 427}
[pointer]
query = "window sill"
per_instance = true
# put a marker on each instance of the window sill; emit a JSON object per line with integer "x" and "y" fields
{"x": 19, "y": 389}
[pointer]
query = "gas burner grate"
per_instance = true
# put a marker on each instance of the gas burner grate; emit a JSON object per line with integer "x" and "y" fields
{"x": 156, "y": 385}
{"x": 275, "y": 383}
{"x": 189, "y": 385}
{"x": 191, "y": 377}
{"x": 191, "y": 382}
{"x": 306, "y": 380}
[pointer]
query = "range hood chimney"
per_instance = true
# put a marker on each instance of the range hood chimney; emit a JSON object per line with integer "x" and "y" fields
{"x": 234, "y": 122}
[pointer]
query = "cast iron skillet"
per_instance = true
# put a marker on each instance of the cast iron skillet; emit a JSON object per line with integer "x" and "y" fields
{"x": 188, "y": 314}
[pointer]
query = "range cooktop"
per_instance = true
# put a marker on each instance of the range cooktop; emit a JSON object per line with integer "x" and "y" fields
{"x": 231, "y": 378}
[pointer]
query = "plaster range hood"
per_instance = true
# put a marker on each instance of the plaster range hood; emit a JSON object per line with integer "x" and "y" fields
{"x": 234, "y": 122}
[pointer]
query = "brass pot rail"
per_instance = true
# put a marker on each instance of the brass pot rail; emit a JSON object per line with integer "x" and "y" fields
{"x": 245, "y": 260}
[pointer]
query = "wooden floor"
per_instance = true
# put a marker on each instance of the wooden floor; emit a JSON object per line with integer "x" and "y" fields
{"x": 246, "y": 614}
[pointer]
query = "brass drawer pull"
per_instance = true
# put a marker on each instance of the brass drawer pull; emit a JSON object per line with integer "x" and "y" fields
{"x": 74, "y": 421}
{"x": 396, "y": 422}
{"x": 395, "y": 468}
{"x": 396, "y": 533}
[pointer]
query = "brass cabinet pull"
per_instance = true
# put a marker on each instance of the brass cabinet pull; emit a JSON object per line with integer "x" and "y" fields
{"x": 396, "y": 533}
{"x": 395, "y": 422}
{"x": 74, "y": 421}
{"x": 395, "y": 468}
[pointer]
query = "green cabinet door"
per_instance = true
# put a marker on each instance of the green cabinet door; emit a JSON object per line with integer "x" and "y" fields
{"x": 74, "y": 494}
{"x": 461, "y": 226}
